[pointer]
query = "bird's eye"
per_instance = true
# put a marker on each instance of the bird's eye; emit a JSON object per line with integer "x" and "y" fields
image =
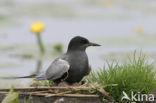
{"x": 84, "y": 41}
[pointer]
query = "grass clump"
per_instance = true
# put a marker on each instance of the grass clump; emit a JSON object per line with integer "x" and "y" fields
{"x": 136, "y": 75}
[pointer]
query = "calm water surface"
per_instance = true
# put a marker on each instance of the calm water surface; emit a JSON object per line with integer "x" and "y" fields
{"x": 110, "y": 27}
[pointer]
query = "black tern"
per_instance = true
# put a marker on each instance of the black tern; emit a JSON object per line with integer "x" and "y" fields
{"x": 70, "y": 67}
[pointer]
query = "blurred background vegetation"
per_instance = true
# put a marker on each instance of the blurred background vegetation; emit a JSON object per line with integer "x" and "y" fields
{"x": 120, "y": 26}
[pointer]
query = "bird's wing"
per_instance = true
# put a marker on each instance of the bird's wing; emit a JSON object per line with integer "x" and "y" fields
{"x": 57, "y": 69}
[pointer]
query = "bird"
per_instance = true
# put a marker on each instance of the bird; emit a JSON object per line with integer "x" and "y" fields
{"x": 71, "y": 66}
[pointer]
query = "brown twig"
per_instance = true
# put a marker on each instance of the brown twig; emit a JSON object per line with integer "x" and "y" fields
{"x": 43, "y": 88}
{"x": 51, "y": 95}
{"x": 55, "y": 95}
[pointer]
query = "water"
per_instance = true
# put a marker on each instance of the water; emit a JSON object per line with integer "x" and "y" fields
{"x": 114, "y": 28}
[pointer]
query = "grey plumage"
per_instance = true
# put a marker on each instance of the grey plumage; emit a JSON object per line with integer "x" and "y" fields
{"x": 55, "y": 70}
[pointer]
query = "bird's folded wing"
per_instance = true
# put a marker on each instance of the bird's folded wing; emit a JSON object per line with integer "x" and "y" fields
{"x": 57, "y": 69}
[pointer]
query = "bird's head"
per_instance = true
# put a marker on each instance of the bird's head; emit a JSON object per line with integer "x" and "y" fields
{"x": 80, "y": 43}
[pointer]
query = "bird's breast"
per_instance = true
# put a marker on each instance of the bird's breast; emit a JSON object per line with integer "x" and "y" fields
{"x": 78, "y": 66}
{"x": 79, "y": 60}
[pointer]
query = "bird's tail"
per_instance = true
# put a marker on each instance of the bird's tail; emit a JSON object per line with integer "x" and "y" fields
{"x": 30, "y": 76}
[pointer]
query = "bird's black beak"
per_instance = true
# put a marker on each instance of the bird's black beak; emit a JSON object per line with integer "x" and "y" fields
{"x": 94, "y": 44}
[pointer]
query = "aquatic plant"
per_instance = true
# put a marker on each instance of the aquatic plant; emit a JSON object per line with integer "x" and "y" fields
{"x": 12, "y": 97}
{"x": 58, "y": 48}
{"x": 37, "y": 28}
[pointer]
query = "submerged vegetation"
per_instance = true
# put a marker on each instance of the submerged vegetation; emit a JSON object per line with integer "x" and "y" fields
{"x": 137, "y": 75}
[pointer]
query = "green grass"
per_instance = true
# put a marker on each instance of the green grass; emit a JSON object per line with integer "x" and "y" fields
{"x": 136, "y": 75}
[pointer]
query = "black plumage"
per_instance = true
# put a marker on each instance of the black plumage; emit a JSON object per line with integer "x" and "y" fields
{"x": 71, "y": 66}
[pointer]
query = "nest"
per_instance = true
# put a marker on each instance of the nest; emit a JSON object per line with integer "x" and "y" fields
{"x": 70, "y": 93}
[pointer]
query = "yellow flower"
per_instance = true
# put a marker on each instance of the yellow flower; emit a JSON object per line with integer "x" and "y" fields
{"x": 108, "y": 3}
{"x": 139, "y": 30}
{"x": 37, "y": 27}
